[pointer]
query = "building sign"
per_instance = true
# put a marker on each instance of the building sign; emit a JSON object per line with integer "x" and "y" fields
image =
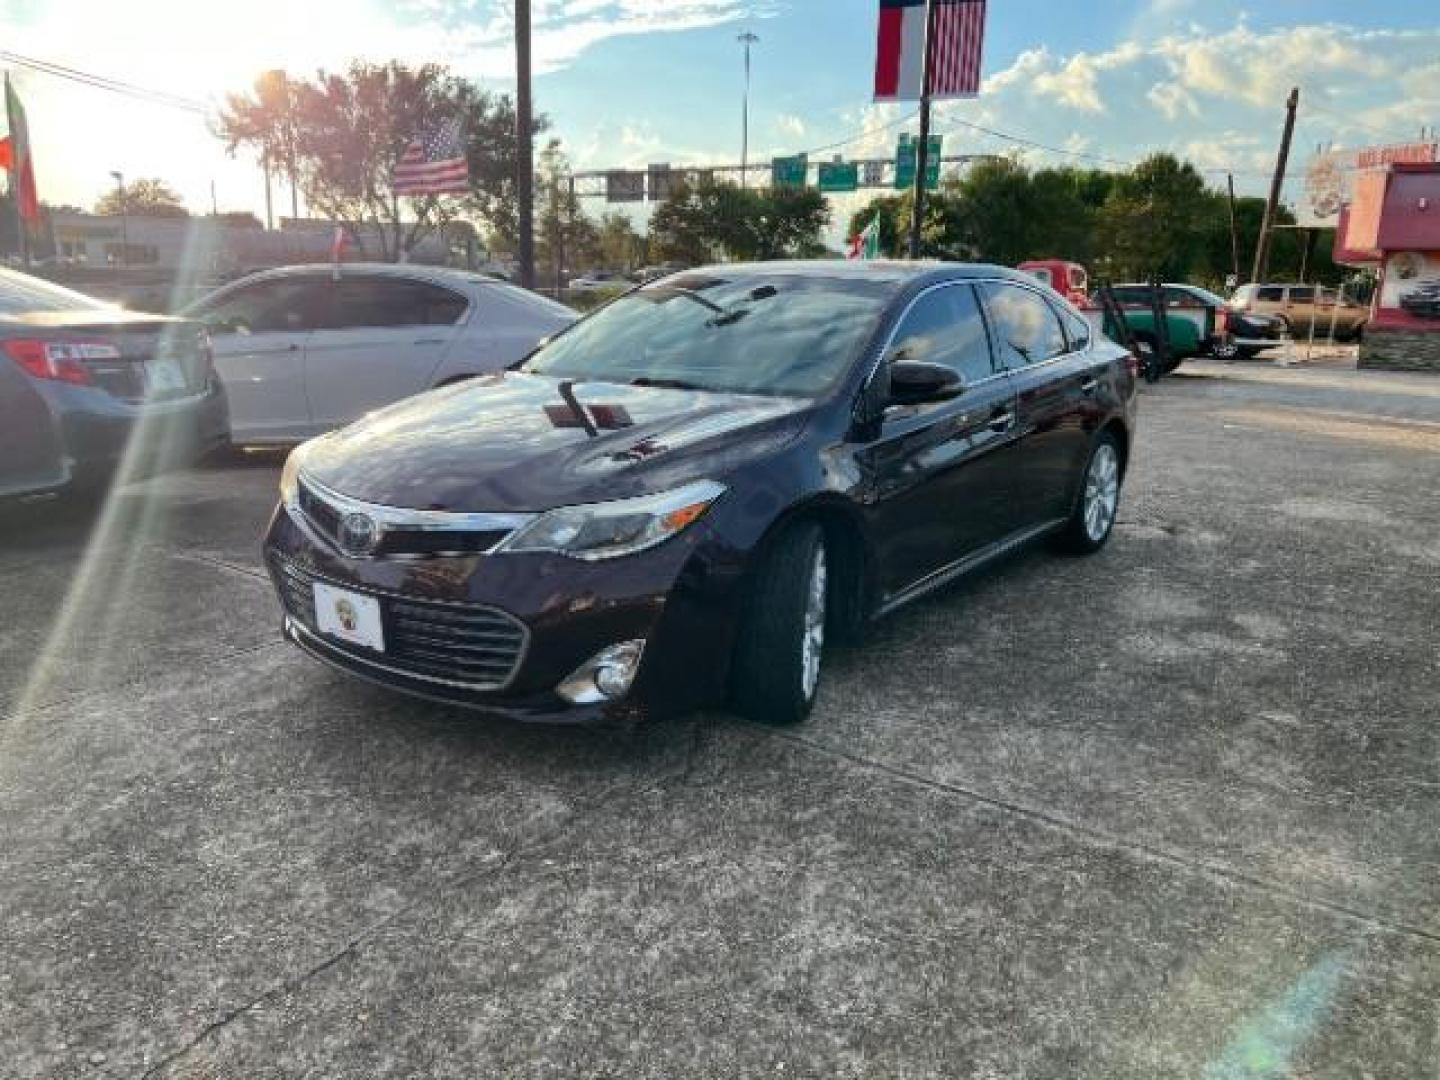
{"x": 788, "y": 171}
{"x": 661, "y": 181}
{"x": 624, "y": 186}
{"x": 839, "y": 176}
{"x": 1331, "y": 174}
{"x": 905, "y": 151}
{"x": 1375, "y": 157}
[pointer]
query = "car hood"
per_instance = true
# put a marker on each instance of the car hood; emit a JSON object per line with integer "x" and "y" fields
{"x": 510, "y": 442}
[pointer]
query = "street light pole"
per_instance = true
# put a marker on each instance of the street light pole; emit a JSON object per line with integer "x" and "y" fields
{"x": 524, "y": 147}
{"x": 922, "y": 151}
{"x": 747, "y": 39}
{"x": 124, "y": 217}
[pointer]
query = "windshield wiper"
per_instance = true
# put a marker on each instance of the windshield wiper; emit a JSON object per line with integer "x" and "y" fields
{"x": 665, "y": 384}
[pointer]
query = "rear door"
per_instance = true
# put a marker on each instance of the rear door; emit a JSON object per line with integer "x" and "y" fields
{"x": 31, "y": 454}
{"x": 1055, "y": 383}
{"x": 259, "y": 332}
{"x": 384, "y": 340}
{"x": 940, "y": 471}
{"x": 1300, "y": 308}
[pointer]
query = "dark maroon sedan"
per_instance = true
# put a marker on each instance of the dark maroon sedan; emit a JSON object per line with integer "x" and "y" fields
{"x": 681, "y": 499}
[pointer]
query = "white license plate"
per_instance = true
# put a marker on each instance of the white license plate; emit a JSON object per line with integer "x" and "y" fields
{"x": 349, "y": 616}
{"x": 165, "y": 376}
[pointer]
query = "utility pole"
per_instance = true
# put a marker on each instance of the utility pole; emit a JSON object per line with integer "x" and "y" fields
{"x": 1262, "y": 248}
{"x": 747, "y": 39}
{"x": 124, "y": 218}
{"x": 922, "y": 152}
{"x": 269, "y": 206}
{"x": 1234, "y": 234}
{"x": 524, "y": 146}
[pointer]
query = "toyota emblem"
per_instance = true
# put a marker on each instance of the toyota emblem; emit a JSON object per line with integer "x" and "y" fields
{"x": 359, "y": 534}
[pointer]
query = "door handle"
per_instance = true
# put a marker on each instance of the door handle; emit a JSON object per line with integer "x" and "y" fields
{"x": 1088, "y": 386}
{"x": 1002, "y": 421}
{"x": 429, "y": 341}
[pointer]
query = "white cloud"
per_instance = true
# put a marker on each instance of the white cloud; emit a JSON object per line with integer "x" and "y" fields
{"x": 790, "y": 124}
{"x": 1173, "y": 100}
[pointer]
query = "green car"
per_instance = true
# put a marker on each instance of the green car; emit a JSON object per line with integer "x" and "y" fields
{"x": 1197, "y": 321}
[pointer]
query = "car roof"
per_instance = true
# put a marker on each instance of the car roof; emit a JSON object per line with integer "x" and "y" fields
{"x": 412, "y": 271}
{"x": 893, "y": 272}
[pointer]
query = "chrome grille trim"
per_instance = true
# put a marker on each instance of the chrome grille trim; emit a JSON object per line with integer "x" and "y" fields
{"x": 324, "y": 508}
{"x": 450, "y": 643}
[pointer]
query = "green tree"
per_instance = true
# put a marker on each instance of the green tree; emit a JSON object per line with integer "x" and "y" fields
{"x": 146, "y": 197}
{"x": 347, "y": 131}
{"x": 888, "y": 207}
{"x": 720, "y": 220}
{"x": 566, "y": 237}
{"x": 1154, "y": 219}
{"x": 619, "y": 245}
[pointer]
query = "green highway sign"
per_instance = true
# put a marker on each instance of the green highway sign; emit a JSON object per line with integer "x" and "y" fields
{"x": 839, "y": 176}
{"x": 788, "y": 171}
{"x": 905, "y": 163}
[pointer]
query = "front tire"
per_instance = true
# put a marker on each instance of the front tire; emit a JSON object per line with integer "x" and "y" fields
{"x": 776, "y": 671}
{"x": 1093, "y": 518}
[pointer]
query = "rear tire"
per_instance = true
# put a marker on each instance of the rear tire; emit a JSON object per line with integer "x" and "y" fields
{"x": 776, "y": 670}
{"x": 1093, "y": 518}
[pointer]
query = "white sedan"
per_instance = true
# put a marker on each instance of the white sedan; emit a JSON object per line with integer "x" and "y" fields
{"x": 302, "y": 350}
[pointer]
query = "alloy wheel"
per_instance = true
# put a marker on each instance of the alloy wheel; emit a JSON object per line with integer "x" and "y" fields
{"x": 1102, "y": 492}
{"x": 812, "y": 642}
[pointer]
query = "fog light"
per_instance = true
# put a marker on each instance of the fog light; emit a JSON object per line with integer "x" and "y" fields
{"x": 605, "y": 676}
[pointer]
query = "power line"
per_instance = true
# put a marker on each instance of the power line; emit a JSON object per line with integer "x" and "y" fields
{"x": 103, "y": 82}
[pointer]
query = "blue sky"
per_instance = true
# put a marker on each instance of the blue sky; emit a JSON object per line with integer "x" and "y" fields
{"x": 626, "y": 82}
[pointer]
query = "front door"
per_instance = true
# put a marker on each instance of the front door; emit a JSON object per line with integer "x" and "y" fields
{"x": 938, "y": 474}
{"x": 1054, "y": 390}
{"x": 259, "y": 332}
{"x": 384, "y": 340}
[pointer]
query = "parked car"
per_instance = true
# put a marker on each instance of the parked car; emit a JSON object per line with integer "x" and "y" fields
{"x": 1423, "y": 300}
{"x": 599, "y": 279}
{"x": 688, "y": 494}
{"x": 304, "y": 349}
{"x": 1199, "y": 323}
{"x": 84, "y": 383}
{"x": 1298, "y": 307}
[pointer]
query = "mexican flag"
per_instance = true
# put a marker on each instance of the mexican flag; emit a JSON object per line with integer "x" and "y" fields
{"x": 866, "y": 243}
{"x": 15, "y": 157}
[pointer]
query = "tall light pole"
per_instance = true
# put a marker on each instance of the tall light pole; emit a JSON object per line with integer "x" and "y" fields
{"x": 747, "y": 39}
{"x": 124, "y": 217}
{"x": 524, "y": 147}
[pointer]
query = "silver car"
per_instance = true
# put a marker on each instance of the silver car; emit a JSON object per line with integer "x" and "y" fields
{"x": 305, "y": 349}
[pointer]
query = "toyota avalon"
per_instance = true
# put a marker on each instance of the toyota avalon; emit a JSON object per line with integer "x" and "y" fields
{"x": 682, "y": 499}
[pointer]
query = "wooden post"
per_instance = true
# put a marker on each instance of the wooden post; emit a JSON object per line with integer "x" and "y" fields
{"x": 1262, "y": 247}
{"x": 922, "y": 152}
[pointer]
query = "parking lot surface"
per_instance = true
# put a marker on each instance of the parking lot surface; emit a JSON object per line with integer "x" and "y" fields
{"x": 1168, "y": 811}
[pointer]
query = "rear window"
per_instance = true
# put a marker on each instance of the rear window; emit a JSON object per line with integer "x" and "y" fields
{"x": 1302, "y": 294}
{"x": 394, "y": 301}
{"x": 533, "y": 301}
{"x": 21, "y": 294}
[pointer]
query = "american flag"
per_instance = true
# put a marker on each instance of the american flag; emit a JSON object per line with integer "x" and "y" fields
{"x": 434, "y": 164}
{"x": 957, "y": 36}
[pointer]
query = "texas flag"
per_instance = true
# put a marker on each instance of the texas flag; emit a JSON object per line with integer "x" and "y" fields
{"x": 957, "y": 34}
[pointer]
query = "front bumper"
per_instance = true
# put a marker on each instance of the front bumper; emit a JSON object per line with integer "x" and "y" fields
{"x": 678, "y": 597}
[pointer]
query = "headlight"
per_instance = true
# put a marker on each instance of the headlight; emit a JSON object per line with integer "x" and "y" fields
{"x": 290, "y": 475}
{"x": 609, "y": 529}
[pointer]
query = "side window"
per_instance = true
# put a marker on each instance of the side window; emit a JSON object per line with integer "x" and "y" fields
{"x": 387, "y": 301}
{"x": 1176, "y": 298}
{"x": 945, "y": 327}
{"x": 1271, "y": 294}
{"x": 1302, "y": 294}
{"x": 1027, "y": 330}
{"x": 1077, "y": 329}
{"x": 285, "y": 304}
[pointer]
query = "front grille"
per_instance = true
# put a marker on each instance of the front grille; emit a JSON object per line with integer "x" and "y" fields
{"x": 398, "y": 540}
{"x": 457, "y": 644}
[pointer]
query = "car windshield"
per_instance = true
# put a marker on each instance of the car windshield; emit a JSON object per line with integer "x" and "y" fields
{"x": 1205, "y": 295}
{"x": 21, "y": 294}
{"x": 755, "y": 334}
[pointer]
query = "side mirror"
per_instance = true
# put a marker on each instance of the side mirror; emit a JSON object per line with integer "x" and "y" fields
{"x": 913, "y": 382}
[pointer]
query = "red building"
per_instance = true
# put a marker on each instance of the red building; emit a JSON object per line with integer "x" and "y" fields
{"x": 1393, "y": 223}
